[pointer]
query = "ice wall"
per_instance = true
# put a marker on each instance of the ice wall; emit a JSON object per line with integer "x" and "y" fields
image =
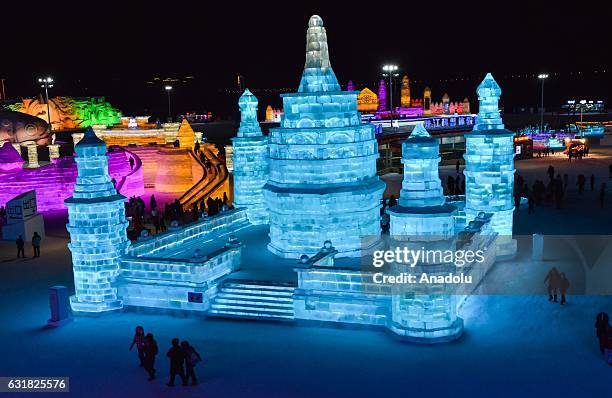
{"x": 97, "y": 227}
{"x": 322, "y": 183}
{"x": 250, "y": 156}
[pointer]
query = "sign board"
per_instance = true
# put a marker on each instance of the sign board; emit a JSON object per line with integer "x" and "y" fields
{"x": 21, "y": 207}
{"x": 194, "y": 297}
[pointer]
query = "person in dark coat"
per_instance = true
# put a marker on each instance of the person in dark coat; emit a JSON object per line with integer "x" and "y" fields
{"x": 36, "y": 239}
{"x": 20, "y": 247}
{"x": 139, "y": 342}
{"x": 552, "y": 278}
{"x": 177, "y": 358}
{"x": 564, "y": 285}
{"x": 602, "y": 324}
{"x": 191, "y": 359}
{"x": 150, "y": 351}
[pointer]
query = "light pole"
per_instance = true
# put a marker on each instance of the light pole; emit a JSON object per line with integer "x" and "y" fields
{"x": 542, "y": 76}
{"x": 47, "y": 83}
{"x": 168, "y": 89}
{"x": 390, "y": 71}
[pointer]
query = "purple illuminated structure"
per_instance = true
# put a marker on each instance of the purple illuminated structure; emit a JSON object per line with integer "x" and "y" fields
{"x": 55, "y": 182}
{"x": 350, "y": 86}
{"x": 382, "y": 96}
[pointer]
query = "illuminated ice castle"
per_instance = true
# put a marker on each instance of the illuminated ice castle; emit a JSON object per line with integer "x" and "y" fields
{"x": 250, "y": 161}
{"x": 97, "y": 226}
{"x": 489, "y": 166}
{"x": 423, "y": 220}
{"x": 322, "y": 183}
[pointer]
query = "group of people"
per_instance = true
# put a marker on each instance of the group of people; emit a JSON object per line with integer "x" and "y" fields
{"x": 182, "y": 356}
{"x": 554, "y": 191}
{"x": 577, "y": 152}
{"x": 557, "y": 282}
{"x": 36, "y": 239}
{"x": 603, "y": 331}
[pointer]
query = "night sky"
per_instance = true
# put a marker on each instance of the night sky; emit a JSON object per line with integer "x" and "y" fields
{"x": 113, "y": 49}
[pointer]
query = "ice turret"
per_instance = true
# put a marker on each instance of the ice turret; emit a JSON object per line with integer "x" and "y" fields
{"x": 250, "y": 148}
{"x": 489, "y": 166}
{"x": 97, "y": 227}
{"x": 422, "y": 220}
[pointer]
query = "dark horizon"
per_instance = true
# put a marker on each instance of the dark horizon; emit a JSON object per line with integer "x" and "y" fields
{"x": 114, "y": 51}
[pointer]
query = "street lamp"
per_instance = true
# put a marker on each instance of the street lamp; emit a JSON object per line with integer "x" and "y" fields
{"x": 168, "y": 89}
{"x": 390, "y": 71}
{"x": 47, "y": 83}
{"x": 542, "y": 76}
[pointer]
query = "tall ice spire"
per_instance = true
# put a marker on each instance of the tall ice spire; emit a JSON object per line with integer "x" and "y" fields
{"x": 488, "y": 109}
{"x": 318, "y": 74}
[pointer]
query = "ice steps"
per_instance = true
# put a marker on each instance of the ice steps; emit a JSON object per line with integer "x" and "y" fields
{"x": 254, "y": 300}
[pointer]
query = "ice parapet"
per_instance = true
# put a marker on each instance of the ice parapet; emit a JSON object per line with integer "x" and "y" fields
{"x": 250, "y": 161}
{"x": 322, "y": 183}
{"x": 97, "y": 227}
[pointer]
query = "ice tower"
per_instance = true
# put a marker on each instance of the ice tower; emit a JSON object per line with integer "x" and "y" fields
{"x": 489, "y": 167}
{"x": 423, "y": 220}
{"x": 322, "y": 184}
{"x": 250, "y": 161}
{"x": 382, "y": 96}
{"x": 97, "y": 226}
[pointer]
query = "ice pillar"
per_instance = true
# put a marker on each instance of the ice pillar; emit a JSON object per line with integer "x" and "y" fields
{"x": 97, "y": 227}
{"x": 250, "y": 161}
{"x": 323, "y": 183}
{"x": 489, "y": 167}
{"x": 422, "y": 220}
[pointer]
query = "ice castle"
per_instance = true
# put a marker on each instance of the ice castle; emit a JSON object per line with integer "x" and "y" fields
{"x": 250, "y": 161}
{"x": 422, "y": 220}
{"x": 322, "y": 183}
{"x": 489, "y": 166}
{"x": 97, "y": 226}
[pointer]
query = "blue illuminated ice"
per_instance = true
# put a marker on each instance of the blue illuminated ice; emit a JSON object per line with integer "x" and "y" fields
{"x": 250, "y": 161}
{"x": 97, "y": 226}
{"x": 422, "y": 220}
{"x": 489, "y": 163}
{"x": 322, "y": 183}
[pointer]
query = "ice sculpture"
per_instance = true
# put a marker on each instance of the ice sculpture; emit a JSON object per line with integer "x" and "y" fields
{"x": 350, "y": 86}
{"x": 382, "y": 96}
{"x": 97, "y": 226}
{"x": 322, "y": 184}
{"x": 405, "y": 93}
{"x": 250, "y": 148}
{"x": 489, "y": 166}
{"x": 422, "y": 219}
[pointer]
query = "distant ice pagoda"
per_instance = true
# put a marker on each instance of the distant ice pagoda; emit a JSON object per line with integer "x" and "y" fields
{"x": 97, "y": 226}
{"x": 322, "y": 183}
{"x": 250, "y": 152}
{"x": 489, "y": 167}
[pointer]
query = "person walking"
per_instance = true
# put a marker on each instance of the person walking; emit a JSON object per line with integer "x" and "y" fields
{"x": 191, "y": 359}
{"x": 564, "y": 285}
{"x": 602, "y": 324}
{"x": 36, "y": 239}
{"x": 457, "y": 166}
{"x": 150, "y": 351}
{"x": 177, "y": 358}
{"x": 139, "y": 342}
{"x": 20, "y": 247}
{"x": 552, "y": 278}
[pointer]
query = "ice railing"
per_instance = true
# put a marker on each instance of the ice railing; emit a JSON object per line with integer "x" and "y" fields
{"x": 207, "y": 228}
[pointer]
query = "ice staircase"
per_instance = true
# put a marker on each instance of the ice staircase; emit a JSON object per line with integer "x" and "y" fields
{"x": 254, "y": 300}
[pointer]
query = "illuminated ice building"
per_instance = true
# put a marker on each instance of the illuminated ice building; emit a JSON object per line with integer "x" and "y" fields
{"x": 250, "y": 148}
{"x": 489, "y": 166}
{"x": 322, "y": 183}
{"x": 97, "y": 226}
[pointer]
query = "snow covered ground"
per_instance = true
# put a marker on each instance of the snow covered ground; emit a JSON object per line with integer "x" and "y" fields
{"x": 514, "y": 346}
